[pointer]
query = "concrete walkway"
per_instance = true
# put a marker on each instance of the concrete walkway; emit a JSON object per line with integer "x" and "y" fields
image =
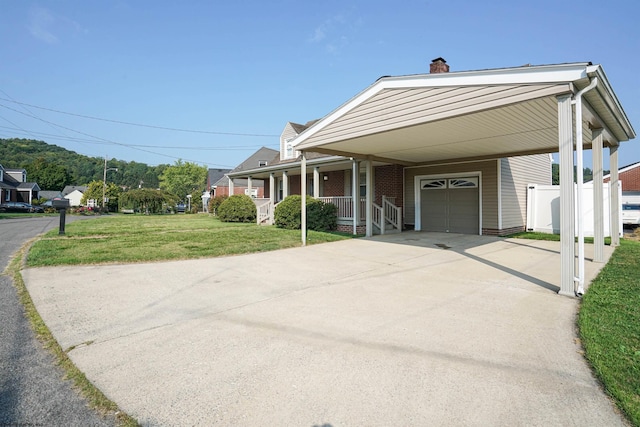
{"x": 407, "y": 329}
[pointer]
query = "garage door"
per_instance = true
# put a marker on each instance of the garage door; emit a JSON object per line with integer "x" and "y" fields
{"x": 450, "y": 205}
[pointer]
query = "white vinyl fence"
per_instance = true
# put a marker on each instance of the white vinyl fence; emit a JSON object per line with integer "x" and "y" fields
{"x": 543, "y": 209}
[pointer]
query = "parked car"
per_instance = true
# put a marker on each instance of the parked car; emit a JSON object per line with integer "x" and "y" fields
{"x": 20, "y": 207}
{"x": 631, "y": 214}
{"x": 180, "y": 208}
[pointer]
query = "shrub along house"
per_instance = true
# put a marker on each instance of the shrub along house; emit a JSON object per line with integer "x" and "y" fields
{"x": 453, "y": 151}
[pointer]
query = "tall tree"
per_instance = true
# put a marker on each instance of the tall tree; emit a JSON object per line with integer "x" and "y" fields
{"x": 95, "y": 190}
{"x": 184, "y": 178}
{"x": 49, "y": 176}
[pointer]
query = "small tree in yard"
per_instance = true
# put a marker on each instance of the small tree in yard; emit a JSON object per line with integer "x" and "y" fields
{"x": 237, "y": 208}
{"x": 215, "y": 202}
{"x": 321, "y": 216}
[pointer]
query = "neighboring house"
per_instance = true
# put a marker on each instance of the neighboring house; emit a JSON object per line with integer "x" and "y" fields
{"x": 74, "y": 194}
{"x": 243, "y": 185}
{"x": 14, "y": 186}
{"x": 49, "y": 196}
{"x": 630, "y": 178}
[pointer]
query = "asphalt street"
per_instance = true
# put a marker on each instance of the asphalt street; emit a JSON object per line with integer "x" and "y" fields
{"x": 33, "y": 391}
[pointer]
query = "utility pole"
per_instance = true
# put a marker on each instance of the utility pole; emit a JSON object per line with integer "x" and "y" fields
{"x": 104, "y": 181}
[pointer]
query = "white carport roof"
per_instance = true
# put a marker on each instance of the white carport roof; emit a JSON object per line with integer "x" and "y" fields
{"x": 471, "y": 115}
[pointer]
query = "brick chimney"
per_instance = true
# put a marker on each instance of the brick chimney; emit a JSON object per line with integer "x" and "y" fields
{"x": 438, "y": 65}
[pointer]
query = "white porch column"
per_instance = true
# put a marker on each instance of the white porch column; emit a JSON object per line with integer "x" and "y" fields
{"x": 567, "y": 206}
{"x": 316, "y": 182}
{"x": 230, "y": 187}
{"x": 249, "y": 185}
{"x": 272, "y": 188}
{"x": 355, "y": 194}
{"x": 369, "y": 198}
{"x": 615, "y": 200}
{"x": 285, "y": 184}
{"x": 598, "y": 194}
{"x": 303, "y": 196}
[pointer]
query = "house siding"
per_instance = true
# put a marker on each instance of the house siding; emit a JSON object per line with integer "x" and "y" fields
{"x": 288, "y": 133}
{"x": 515, "y": 174}
{"x": 395, "y": 108}
{"x": 489, "y": 188}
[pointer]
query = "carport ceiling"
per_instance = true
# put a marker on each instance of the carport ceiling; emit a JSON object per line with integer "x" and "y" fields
{"x": 451, "y": 117}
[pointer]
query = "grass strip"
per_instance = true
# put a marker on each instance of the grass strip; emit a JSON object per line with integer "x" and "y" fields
{"x": 609, "y": 323}
{"x": 128, "y": 239}
{"x": 97, "y": 400}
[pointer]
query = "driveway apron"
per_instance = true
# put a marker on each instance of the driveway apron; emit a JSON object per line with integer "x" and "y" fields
{"x": 405, "y": 329}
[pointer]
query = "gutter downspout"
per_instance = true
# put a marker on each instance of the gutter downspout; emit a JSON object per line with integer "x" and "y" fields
{"x": 577, "y": 101}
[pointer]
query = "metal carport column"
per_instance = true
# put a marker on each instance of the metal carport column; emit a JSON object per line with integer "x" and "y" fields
{"x": 567, "y": 207}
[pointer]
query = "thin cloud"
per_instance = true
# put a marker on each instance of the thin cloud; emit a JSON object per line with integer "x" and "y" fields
{"x": 332, "y": 33}
{"x": 40, "y": 23}
{"x": 44, "y": 25}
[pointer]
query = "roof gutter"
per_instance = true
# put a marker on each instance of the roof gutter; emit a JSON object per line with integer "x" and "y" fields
{"x": 577, "y": 101}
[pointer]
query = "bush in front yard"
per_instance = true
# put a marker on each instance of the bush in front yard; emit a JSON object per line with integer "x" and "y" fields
{"x": 321, "y": 216}
{"x": 215, "y": 202}
{"x": 237, "y": 208}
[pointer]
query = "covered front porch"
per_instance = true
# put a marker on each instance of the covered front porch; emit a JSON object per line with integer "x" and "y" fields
{"x": 342, "y": 182}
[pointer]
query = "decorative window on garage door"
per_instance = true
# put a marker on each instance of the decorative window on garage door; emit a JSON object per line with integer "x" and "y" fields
{"x": 471, "y": 182}
{"x": 433, "y": 184}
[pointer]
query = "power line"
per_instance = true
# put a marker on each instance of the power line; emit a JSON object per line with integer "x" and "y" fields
{"x": 141, "y": 124}
{"x": 90, "y": 141}
{"x": 109, "y": 141}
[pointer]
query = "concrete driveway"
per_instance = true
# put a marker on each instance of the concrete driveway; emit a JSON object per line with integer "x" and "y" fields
{"x": 406, "y": 329}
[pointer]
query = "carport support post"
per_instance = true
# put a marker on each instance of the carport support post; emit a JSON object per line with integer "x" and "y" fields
{"x": 369, "y": 198}
{"x": 355, "y": 194}
{"x": 615, "y": 201}
{"x": 598, "y": 194}
{"x": 567, "y": 206}
{"x": 303, "y": 197}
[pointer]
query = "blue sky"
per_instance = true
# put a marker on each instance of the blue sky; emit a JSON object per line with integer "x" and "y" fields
{"x": 240, "y": 70}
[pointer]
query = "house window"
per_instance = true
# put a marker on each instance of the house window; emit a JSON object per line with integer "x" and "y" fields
{"x": 363, "y": 185}
{"x": 7, "y": 196}
{"x": 433, "y": 184}
{"x": 280, "y": 189}
{"x": 262, "y": 163}
{"x": 288, "y": 149}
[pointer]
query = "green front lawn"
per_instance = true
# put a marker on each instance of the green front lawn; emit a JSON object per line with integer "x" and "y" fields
{"x": 140, "y": 238}
{"x": 609, "y": 322}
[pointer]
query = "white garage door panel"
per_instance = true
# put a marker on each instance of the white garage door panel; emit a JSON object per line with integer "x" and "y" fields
{"x": 463, "y": 210}
{"x": 450, "y": 205}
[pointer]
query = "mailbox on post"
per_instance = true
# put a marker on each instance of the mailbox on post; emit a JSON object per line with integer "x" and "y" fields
{"x": 61, "y": 205}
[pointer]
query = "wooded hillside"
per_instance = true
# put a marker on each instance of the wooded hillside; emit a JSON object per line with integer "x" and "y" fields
{"x": 53, "y": 166}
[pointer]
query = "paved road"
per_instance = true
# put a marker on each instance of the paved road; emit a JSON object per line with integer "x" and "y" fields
{"x": 32, "y": 389}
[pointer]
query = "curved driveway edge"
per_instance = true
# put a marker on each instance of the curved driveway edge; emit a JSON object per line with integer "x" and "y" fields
{"x": 406, "y": 329}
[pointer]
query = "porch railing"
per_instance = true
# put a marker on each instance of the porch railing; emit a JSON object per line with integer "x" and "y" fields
{"x": 343, "y": 203}
{"x": 392, "y": 213}
{"x": 265, "y": 210}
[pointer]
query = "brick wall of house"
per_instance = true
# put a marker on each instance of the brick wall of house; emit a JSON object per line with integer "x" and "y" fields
{"x": 630, "y": 179}
{"x": 388, "y": 182}
{"x": 294, "y": 184}
{"x": 334, "y": 184}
